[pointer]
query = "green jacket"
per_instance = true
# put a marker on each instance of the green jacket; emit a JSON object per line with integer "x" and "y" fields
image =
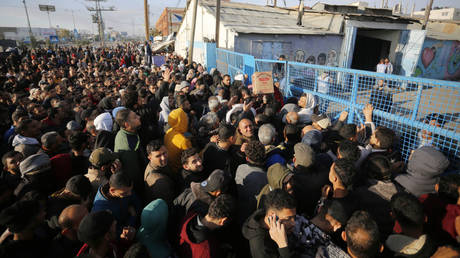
{"x": 152, "y": 232}
{"x": 133, "y": 161}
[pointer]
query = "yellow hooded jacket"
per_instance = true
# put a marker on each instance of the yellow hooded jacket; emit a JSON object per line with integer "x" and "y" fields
{"x": 174, "y": 140}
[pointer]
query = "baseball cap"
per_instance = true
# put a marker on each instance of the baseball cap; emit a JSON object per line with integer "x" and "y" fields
{"x": 215, "y": 181}
{"x": 95, "y": 225}
{"x": 304, "y": 154}
{"x": 102, "y": 156}
{"x": 182, "y": 85}
{"x": 322, "y": 120}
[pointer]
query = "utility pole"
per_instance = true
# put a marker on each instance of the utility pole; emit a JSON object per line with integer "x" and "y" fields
{"x": 383, "y": 3}
{"x": 146, "y": 18}
{"x": 300, "y": 13}
{"x": 192, "y": 36}
{"x": 217, "y": 22}
{"x": 73, "y": 18}
{"x": 427, "y": 14}
{"x": 97, "y": 17}
{"x": 32, "y": 43}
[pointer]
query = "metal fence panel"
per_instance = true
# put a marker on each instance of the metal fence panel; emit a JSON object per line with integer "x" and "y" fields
{"x": 420, "y": 111}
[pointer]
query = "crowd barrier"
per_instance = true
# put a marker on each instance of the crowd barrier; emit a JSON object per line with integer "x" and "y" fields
{"x": 421, "y": 111}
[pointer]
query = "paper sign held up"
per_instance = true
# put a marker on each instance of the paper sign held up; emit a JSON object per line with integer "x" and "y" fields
{"x": 262, "y": 83}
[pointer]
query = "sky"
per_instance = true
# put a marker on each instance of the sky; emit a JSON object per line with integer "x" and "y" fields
{"x": 129, "y": 16}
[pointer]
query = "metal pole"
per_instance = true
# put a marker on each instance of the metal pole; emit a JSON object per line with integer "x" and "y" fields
{"x": 146, "y": 18}
{"x": 192, "y": 36}
{"x": 28, "y": 23}
{"x": 217, "y": 22}
{"x": 300, "y": 13}
{"x": 73, "y": 18}
{"x": 49, "y": 19}
{"x": 427, "y": 14}
{"x": 101, "y": 24}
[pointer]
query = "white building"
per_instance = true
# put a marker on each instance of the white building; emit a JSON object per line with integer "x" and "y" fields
{"x": 452, "y": 14}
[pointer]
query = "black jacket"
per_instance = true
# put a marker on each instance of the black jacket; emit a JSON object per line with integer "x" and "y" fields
{"x": 308, "y": 182}
{"x": 262, "y": 246}
{"x": 189, "y": 177}
{"x": 104, "y": 139}
{"x": 216, "y": 158}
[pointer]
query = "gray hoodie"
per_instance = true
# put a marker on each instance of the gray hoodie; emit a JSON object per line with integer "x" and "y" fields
{"x": 165, "y": 110}
{"x": 423, "y": 170}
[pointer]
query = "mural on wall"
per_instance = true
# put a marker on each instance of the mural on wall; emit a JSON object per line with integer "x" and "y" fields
{"x": 302, "y": 49}
{"x": 332, "y": 58}
{"x": 321, "y": 59}
{"x": 299, "y": 56}
{"x": 311, "y": 60}
{"x": 439, "y": 60}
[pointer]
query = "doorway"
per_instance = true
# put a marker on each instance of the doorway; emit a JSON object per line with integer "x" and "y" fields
{"x": 369, "y": 50}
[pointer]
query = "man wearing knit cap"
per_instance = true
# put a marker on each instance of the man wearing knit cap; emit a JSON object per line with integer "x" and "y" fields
{"x": 321, "y": 122}
{"x": 182, "y": 88}
{"x": 308, "y": 178}
{"x": 36, "y": 175}
{"x": 103, "y": 163}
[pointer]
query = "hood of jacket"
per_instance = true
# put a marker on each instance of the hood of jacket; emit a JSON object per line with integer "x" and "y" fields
{"x": 19, "y": 139}
{"x": 178, "y": 120}
{"x": 252, "y": 228}
{"x": 152, "y": 232}
{"x": 103, "y": 122}
{"x": 276, "y": 175}
{"x": 164, "y": 105}
{"x": 106, "y": 104}
{"x": 427, "y": 162}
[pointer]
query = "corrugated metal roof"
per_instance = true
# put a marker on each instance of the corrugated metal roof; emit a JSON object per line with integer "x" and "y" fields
{"x": 247, "y": 18}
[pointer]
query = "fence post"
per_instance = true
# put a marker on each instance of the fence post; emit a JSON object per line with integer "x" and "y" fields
{"x": 287, "y": 91}
{"x": 353, "y": 97}
{"x": 228, "y": 67}
{"x": 417, "y": 102}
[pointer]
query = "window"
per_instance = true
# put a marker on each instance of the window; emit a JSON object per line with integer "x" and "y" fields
{"x": 445, "y": 13}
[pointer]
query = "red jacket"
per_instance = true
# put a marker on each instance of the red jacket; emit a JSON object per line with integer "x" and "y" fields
{"x": 188, "y": 249}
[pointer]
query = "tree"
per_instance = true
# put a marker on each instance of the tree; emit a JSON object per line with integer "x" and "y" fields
{"x": 63, "y": 33}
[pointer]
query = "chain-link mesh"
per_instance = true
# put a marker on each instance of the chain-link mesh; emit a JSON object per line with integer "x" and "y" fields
{"x": 420, "y": 111}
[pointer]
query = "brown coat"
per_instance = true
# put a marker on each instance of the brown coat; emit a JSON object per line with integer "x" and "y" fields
{"x": 158, "y": 184}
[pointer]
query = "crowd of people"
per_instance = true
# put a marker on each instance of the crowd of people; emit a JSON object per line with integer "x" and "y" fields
{"x": 106, "y": 155}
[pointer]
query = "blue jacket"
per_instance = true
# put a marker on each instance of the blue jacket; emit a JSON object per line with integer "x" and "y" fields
{"x": 118, "y": 207}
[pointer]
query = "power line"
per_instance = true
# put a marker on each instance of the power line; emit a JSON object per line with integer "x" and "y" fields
{"x": 97, "y": 17}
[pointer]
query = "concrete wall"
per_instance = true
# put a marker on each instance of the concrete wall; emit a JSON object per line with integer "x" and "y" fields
{"x": 442, "y": 14}
{"x": 299, "y": 48}
{"x": 205, "y": 30}
{"x": 439, "y": 60}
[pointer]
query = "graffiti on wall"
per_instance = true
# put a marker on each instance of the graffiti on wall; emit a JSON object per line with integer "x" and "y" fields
{"x": 439, "y": 60}
{"x": 329, "y": 59}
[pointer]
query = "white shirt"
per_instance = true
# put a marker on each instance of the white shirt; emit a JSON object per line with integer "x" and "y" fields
{"x": 323, "y": 84}
{"x": 381, "y": 68}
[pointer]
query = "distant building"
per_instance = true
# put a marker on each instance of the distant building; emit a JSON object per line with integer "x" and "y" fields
{"x": 451, "y": 14}
{"x": 22, "y": 33}
{"x": 170, "y": 20}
